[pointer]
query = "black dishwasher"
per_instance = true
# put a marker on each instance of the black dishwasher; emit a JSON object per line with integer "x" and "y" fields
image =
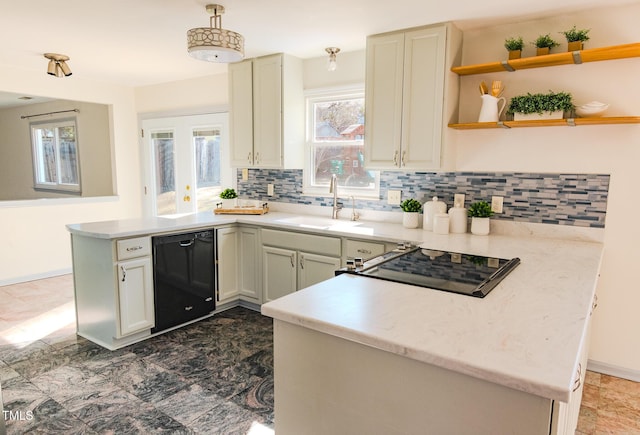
{"x": 183, "y": 278}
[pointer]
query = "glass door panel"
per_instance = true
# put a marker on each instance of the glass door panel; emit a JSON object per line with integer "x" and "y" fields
{"x": 206, "y": 149}
{"x": 163, "y": 145}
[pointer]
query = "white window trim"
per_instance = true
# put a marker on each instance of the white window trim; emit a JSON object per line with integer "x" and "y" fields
{"x": 57, "y": 186}
{"x": 327, "y": 94}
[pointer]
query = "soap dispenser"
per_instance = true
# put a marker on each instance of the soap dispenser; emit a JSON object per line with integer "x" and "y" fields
{"x": 430, "y": 209}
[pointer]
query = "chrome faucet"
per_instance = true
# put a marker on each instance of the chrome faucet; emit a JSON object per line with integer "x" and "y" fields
{"x": 333, "y": 188}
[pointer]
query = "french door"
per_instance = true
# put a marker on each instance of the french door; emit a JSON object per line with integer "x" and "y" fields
{"x": 187, "y": 163}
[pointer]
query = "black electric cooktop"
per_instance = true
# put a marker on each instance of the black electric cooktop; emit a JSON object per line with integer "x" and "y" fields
{"x": 455, "y": 272}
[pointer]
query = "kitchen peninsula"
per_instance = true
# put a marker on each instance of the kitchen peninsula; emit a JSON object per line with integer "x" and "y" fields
{"x": 361, "y": 355}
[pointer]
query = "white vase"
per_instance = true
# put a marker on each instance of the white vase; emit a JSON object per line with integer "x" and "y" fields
{"x": 558, "y": 114}
{"x": 480, "y": 226}
{"x": 410, "y": 219}
{"x": 230, "y": 203}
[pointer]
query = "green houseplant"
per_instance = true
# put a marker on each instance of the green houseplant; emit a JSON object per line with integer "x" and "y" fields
{"x": 480, "y": 213}
{"x": 524, "y": 106}
{"x": 229, "y": 198}
{"x": 514, "y": 46}
{"x": 544, "y": 43}
{"x": 411, "y": 216}
{"x": 576, "y": 38}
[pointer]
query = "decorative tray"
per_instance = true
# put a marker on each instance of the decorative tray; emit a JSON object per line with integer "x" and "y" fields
{"x": 242, "y": 210}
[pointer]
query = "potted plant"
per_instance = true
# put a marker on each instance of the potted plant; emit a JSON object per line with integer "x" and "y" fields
{"x": 576, "y": 38}
{"x": 540, "y": 106}
{"x": 480, "y": 212}
{"x": 229, "y": 198}
{"x": 411, "y": 216}
{"x": 544, "y": 43}
{"x": 514, "y": 46}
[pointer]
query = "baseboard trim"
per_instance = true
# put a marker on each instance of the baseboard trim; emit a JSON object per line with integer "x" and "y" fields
{"x": 613, "y": 370}
{"x": 36, "y": 276}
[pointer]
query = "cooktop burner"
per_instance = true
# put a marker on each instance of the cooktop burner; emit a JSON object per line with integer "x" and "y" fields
{"x": 449, "y": 271}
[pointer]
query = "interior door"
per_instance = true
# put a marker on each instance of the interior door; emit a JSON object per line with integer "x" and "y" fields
{"x": 187, "y": 163}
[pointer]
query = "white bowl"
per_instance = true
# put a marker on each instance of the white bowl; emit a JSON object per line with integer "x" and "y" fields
{"x": 592, "y": 109}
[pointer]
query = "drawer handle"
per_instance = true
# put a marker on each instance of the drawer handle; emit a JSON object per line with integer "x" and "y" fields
{"x": 364, "y": 251}
{"x": 186, "y": 243}
{"x": 189, "y": 308}
{"x": 134, "y": 248}
{"x": 578, "y": 381}
{"x": 208, "y": 299}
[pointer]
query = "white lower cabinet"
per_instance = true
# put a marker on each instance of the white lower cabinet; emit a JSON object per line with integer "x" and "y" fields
{"x": 292, "y": 261}
{"x": 238, "y": 265}
{"x": 135, "y": 295}
{"x": 227, "y": 263}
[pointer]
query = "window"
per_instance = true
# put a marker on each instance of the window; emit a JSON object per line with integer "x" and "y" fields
{"x": 335, "y": 144}
{"x": 55, "y": 156}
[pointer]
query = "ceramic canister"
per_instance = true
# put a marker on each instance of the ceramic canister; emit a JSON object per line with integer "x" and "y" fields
{"x": 430, "y": 209}
{"x": 458, "y": 220}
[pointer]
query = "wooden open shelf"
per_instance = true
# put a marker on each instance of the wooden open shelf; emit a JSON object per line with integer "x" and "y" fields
{"x": 572, "y": 122}
{"x": 566, "y": 58}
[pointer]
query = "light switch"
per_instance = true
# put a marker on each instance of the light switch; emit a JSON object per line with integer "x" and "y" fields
{"x": 245, "y": 174}
{"x": 270, "y": 189}
{"x": 394, "y": 197}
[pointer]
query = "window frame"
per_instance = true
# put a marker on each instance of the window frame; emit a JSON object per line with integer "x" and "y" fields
{"x": 36, "y": 157}
{"x": 319, "y": 95}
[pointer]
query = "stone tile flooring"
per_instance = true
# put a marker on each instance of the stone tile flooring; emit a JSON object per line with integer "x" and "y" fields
{"x": 215, "y": 376}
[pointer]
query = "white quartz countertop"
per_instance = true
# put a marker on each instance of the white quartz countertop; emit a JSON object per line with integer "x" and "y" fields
{"x": 117, "y": 229}
{"x": 527, "y": 333}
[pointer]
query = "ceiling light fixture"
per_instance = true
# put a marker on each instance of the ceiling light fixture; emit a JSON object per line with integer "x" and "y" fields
{"x": 332, "y": 65}
{"x": 58, "y": 65}
{"x": 213, "y": 43}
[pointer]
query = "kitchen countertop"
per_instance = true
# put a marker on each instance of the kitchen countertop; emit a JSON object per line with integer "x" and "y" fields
{"x": 125, "y": 228}
{"x": 526, "y": 334}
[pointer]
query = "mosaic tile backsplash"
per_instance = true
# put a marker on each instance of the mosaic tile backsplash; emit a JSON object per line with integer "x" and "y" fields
{"x": 561, "y": 199}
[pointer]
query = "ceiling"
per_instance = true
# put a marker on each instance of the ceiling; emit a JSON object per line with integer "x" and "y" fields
{"x": 143, "y": 42}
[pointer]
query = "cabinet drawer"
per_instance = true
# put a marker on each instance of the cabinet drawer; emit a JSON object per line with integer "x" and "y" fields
{"x": 360, "y": 248}
{"x": 304, "y": 242}
{"x": 132, "y": 248}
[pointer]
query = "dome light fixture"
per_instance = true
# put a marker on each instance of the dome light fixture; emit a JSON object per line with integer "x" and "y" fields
{"x": 58, "y": 65}
{"x": 332, "y": 65}
{"x": 213, "y": 43}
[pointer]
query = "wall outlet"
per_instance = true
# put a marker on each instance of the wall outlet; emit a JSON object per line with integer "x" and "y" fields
{"x": 245, "y": 174}
{"x": 394, "y": 197}
{"x": 496, "y": 204}
{"x": 458, "y": 200}
{"x": 270, "y": 189}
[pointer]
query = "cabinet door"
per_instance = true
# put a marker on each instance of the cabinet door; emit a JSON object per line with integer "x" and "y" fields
{"x": 249, "y": 278}
{"x": 241, "y": 112}
{"x": 383, "y": 102}
{"x": 267, "y": 111}
{"x": 227, "y": 260}
{"x": 422, "y": 101}
{"x": 315, "y": 268}
{"x": 135, "y": 296}
{"x": 279, "y": 272}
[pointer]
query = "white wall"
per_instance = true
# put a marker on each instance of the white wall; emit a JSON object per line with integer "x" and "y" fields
{"x": 35, "y": 241}
{"x": 612, "y": 149}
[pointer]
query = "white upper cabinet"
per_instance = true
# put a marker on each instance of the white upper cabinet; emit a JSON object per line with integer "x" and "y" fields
{"x": 405, "y": 82}
{"x": 267, "y": 112}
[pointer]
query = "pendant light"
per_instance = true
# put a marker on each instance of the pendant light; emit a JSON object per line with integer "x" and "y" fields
{"x": 332, "y": 65}
{"x": 213, "y": 43}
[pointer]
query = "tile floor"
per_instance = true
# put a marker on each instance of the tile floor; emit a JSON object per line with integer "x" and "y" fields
{"x": 215, "y": 376}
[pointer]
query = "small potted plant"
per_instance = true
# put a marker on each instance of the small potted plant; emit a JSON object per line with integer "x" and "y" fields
{"x": 480, "y": 212}
{"x": 514, "y": 46}
{"x": 576, "y": 38}
{"x": 229, "y": 198}
{"x": 543, "y": 44}
{"x": 540, "y": 106}
{"x": 411, "y": 215}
